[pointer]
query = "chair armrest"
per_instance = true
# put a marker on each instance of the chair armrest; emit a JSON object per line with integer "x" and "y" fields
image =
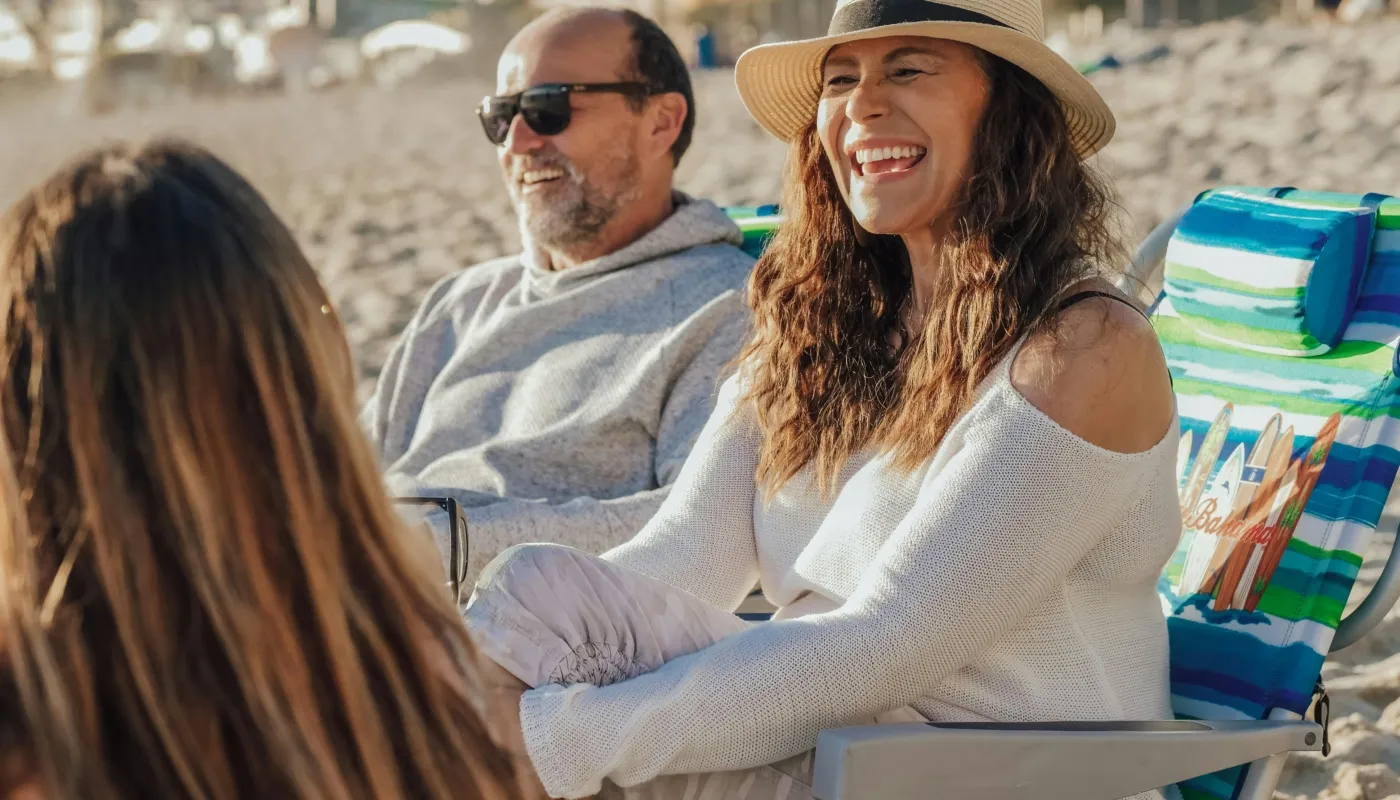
{"x": 1045, "y": 761}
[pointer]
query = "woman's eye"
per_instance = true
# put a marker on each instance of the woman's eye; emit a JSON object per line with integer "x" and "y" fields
{"x": 907, "y": 72}
{"x": 840, "y": 80}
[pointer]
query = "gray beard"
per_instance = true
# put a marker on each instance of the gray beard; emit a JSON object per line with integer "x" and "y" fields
{"x": 570, "y": 220}
{"x": 578, "y": 212}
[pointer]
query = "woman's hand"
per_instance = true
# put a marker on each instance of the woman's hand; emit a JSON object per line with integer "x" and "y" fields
{"x": 507, "y": 690}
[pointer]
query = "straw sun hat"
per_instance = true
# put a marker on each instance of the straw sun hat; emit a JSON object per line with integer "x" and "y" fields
{"x": 781, "y": 83}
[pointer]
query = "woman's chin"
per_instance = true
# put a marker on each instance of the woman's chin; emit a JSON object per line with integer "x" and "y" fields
{"x": 883, "y": 225}
{"x": 884, "y": 218}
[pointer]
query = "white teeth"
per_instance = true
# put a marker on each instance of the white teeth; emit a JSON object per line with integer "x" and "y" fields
{"x": 541, "y": 175}
{"x": 883, "y": 153}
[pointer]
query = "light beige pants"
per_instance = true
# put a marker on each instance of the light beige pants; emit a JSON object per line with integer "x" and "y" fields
{"x": 790, "y": 779}
{"x": 551, "y": 614}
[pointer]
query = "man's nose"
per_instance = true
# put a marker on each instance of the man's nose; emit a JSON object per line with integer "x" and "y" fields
{"x": 521, "y": 138}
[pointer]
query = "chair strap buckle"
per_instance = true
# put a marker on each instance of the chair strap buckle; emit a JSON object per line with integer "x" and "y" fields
{"x": 1322, "y": 714}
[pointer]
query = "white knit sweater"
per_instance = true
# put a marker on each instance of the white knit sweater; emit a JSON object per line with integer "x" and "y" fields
{"x": 1010, "y": 578}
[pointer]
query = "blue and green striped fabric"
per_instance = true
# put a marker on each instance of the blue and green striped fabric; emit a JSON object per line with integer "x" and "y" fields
{"x": 1273, "y": 275}
{"x": 757, "y": 223}
{"x": 1286, "y": 463}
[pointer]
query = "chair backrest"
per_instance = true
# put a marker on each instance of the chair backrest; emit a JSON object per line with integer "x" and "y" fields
{"x": 1279, "y": 318}
{"x": 757, "y": 223}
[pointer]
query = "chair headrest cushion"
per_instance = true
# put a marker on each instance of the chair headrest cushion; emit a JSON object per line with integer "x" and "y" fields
{"x": 1268, "y": 274}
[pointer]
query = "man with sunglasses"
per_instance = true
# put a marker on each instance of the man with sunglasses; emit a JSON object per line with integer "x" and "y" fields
{"x": 555, "y": 394}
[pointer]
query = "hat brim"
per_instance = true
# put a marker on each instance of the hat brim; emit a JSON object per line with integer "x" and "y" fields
{"x": 780, "y": 83}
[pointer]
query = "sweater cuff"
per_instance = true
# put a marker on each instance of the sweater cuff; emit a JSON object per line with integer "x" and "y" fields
{"x": 556, "y": 760}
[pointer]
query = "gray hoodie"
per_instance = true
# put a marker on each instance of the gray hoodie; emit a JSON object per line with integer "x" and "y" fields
{"x": 559, "y": 406}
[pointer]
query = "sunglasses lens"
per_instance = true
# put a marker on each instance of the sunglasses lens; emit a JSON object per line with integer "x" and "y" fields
{"x": 546, "y": 123}
{"x": 546, "y": 110}
{"x": 495, "y": 118}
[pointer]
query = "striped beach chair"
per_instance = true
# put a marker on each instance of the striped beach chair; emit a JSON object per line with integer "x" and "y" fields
{"x": 757, "y": 223}
{"x": 1279, "y": 313}
{"x": 1280, "y": 318}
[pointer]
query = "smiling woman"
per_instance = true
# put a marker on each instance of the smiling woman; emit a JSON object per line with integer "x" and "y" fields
{"x": 996, "y": 219}
{"x": 939, "y": 370}
{"x": 898, "y": 108}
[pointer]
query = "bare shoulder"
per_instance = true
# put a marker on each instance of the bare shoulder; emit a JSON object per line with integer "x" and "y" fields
{"x": 1100, "y": 373}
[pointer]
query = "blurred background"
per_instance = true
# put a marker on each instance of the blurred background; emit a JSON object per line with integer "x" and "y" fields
{"x": 356, "y": 118}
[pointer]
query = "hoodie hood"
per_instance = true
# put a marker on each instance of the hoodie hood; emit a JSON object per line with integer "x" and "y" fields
{"x": 693, "y": 223}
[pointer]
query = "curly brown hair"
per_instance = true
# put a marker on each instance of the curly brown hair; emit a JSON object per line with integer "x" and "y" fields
{"x": 1033, "y": 219}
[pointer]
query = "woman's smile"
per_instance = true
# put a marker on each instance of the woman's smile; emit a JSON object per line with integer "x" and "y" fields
{"x": 882, "y": 160}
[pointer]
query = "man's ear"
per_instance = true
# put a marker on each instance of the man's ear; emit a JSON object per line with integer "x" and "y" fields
{"x": 668, "y": 115}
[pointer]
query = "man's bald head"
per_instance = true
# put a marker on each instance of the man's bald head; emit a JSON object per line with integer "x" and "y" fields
{"x": 600, "y": 31}
{"x": 600, "y": 175}
{"x": 561, "y": 25}
{"x": 617, "y": 42}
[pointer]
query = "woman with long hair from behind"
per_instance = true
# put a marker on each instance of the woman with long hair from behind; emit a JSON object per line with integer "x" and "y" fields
{"x": 19, "y": 772}
{"x": 215, "y": 597}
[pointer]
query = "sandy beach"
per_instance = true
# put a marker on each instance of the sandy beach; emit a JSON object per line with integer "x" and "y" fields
{"x": 391, "y": 189}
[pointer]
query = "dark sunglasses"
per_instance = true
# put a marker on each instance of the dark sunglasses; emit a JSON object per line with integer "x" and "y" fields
{"x": 546, "y": 108}
{"x": 457, "y": 553}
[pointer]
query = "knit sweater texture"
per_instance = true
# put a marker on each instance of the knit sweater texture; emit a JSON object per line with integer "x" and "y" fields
{"x": 1011, "y": 577}
{"x": 558, "y": 406}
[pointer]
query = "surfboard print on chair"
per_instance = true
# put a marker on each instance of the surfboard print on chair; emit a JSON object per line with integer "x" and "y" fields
{"x": 1203, "y": 541}
{"x": 1242, "y": 515}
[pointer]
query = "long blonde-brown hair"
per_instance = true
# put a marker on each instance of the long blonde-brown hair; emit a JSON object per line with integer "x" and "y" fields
{"x": 216, "y": 598}
{"x": 827, "y": 299}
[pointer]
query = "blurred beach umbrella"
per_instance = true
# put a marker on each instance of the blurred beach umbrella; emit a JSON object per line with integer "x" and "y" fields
{"x": 395, "y": 52}
{"x": 33, "y": 17}
{"x": 414, "y": 34}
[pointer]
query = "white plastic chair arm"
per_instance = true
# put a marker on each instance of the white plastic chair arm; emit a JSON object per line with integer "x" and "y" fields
{"x": 1044, "y": 761}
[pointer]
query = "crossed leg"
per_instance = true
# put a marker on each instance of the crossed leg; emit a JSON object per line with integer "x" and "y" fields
{"x": 550, "y": 614}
